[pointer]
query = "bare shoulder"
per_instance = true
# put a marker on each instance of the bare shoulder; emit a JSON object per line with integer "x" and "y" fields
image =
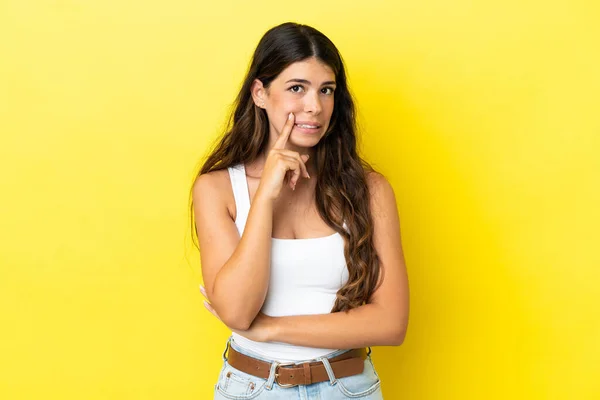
{"x": 381, "y": 192}
{"x": 376, "y": 180}
{"x": 212, "y": 181}
{"x": 214, "y": 187}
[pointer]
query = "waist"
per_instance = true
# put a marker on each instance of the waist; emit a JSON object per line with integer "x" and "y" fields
{"x": 341, "y": 363}
{"x": 280, "y": 352}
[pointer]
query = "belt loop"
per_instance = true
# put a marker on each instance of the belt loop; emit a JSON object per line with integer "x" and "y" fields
{"x": 269, "y": 384}
{"x": 330, "y": 374}
{"x": 307, "y": 373}
{"x": 226, "y": 348}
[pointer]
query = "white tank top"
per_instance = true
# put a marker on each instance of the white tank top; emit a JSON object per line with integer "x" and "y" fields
{"x": 305, "y": 277}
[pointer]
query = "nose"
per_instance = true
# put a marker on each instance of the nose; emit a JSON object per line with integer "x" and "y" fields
{"x": 312, "y": 103}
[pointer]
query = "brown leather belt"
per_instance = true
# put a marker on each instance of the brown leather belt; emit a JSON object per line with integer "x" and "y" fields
{"x": 289, "y": 375}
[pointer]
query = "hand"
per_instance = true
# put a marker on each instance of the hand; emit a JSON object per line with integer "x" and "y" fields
{"x": 282, "y": 165}
{"x": 261, "y": 330}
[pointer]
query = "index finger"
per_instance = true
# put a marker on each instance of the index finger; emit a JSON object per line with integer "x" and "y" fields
{"x": 285, "y": 132}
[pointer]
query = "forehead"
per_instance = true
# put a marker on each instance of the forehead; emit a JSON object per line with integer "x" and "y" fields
{"x": 310, "y": 69}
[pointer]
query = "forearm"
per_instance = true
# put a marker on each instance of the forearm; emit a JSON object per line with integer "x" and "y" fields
{"x": 241, "y": 285}
{"x": 367, "y": 325}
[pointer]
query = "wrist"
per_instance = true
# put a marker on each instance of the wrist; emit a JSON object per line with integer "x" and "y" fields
{"x": 261, "y": 197}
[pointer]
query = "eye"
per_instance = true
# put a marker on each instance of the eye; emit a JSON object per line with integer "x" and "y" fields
{"x": 331, "y": 90}
{"x": 293, "y": 88}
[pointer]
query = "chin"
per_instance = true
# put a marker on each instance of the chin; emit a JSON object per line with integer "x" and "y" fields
{"x": 304, "y": 140}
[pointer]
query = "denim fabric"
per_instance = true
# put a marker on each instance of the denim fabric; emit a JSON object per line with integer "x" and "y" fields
{"x": 237, "y": 385}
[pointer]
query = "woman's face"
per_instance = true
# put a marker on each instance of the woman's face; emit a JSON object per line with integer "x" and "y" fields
{"x": 306, "y": 89}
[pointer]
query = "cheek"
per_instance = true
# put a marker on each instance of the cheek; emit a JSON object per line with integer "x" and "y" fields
{"x": 281, "y": 106}
{"x": 282, "y": 101}
{"x": 328, "y": 105}
{"x": 328, "y": 110}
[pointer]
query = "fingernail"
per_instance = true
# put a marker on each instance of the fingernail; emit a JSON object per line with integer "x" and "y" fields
{"x": 202, "y": 288}
{"x": 290, "y": 116}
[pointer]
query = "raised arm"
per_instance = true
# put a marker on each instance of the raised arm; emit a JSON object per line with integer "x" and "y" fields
{"x": 236, "y": 270}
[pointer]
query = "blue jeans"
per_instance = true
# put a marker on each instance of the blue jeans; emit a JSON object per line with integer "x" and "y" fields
{"x": 238, "y": 385}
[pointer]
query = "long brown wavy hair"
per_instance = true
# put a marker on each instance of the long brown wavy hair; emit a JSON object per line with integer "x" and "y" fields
{"x": 342, "y": 193}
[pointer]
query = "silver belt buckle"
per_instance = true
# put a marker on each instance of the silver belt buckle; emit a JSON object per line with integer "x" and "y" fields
{"x": 284, "y": 385}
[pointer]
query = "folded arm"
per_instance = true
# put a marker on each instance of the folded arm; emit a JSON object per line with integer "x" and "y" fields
{"x": 383, "y": 320}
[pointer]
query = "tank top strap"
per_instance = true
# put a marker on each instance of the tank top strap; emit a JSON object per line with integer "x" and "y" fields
{"x": 241, "y": 194}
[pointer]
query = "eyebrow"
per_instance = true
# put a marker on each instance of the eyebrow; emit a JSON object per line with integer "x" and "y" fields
{"x": 308, "y": 82}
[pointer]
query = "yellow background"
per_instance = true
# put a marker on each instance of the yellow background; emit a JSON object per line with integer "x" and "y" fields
{"x": 483, "y": 114}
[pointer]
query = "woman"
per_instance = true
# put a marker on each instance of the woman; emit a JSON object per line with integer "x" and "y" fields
{"x": 299, "y": 238}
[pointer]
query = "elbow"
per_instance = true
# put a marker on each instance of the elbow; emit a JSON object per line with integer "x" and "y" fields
{"x": 398, "y": 338}
{"x": 233, "y": 316}
{"x": 398, "y": 330}
{"x": 238, "y": 324}
{"x": 396, "y": 335}
{"x": 235, "y": 320}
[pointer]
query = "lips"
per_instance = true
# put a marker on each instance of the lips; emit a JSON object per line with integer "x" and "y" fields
{"x": 307, "y": 124}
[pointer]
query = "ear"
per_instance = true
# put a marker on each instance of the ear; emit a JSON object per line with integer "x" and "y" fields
{"x": 259, "y": 93}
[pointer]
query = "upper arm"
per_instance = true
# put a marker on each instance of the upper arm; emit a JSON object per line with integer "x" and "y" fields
{"x": 392, "y": 291}
{"x": 217, "y": 233}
